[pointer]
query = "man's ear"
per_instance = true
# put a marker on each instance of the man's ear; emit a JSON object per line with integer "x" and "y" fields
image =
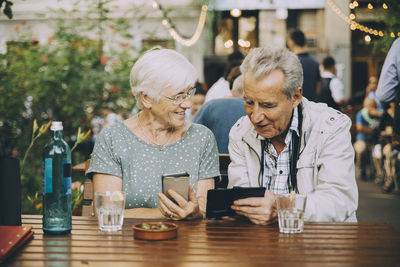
{"x": 147, "y": 102}
{"x": 297, "y": 97}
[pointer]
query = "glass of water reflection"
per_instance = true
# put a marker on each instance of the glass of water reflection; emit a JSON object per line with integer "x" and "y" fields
{"x": 291, "y": 213}
{"x": 110, "y": 209}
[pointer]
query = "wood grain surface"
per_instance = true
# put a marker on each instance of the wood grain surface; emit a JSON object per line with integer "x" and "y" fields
{"x": 213, "y": 243}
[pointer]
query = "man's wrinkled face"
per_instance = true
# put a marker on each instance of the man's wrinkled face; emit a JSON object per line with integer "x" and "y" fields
{"x": 268, "y": 108}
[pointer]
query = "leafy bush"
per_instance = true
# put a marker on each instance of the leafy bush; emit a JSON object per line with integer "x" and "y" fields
{"x": 70, "y": 79}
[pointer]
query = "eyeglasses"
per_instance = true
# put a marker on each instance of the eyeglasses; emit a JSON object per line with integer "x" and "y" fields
{"x": 179, "y": 98}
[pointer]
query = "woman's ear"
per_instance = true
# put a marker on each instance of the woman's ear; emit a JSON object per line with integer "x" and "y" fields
{"x": 147, "y": 102}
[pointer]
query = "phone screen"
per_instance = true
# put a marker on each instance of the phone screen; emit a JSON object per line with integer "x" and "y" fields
{"x": 178, "y": 182}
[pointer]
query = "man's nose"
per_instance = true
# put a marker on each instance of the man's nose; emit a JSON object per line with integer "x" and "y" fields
{"x": 257, "y": 114}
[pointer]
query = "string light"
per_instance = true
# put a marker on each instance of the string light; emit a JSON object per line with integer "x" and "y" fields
{"x": 236, "y": 12}
{"x": 228, "y": 43}
{"x": 171, "y": 28}
{"x": 384, "y": 6}
{"x": 370, "y": 6}
{"x": 244, "y": 43}
{"x": 353, "y": 24}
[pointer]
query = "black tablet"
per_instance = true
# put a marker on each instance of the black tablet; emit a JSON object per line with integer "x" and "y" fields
{"x": 219, "y": 201}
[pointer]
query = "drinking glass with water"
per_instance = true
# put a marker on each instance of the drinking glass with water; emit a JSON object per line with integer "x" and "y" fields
{"x": 110, "y": 209}
{"x": 291, "y": 213}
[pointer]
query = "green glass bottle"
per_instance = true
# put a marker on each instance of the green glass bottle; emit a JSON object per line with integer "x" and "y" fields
{"x": 57, "y": 183}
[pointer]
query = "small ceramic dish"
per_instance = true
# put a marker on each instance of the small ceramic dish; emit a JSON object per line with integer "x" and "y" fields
{"x": 155, "y": 234}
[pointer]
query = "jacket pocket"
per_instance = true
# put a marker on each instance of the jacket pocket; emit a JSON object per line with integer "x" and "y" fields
{"x": 305, "y": 173}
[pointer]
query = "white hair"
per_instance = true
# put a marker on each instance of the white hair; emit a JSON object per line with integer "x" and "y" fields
{"x": 263, "y": 60}
{"x": 158, "y": 70}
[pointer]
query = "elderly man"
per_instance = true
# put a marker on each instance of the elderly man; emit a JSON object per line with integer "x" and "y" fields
{"x": 289, "y": 143}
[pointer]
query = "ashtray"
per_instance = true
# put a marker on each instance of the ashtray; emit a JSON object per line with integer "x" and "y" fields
{"x": 155, "y": 231}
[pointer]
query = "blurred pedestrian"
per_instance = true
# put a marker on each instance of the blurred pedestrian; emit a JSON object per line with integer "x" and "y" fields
{"x": 332, "y": 89}
{"x": 389, "y": 80}
{"x": 311, "y": 75}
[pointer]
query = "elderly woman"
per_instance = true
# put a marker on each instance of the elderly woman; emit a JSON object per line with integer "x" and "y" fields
{"x": 133, "y": 155}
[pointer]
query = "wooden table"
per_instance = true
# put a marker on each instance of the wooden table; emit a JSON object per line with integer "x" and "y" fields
{"x": 213, "y": 243}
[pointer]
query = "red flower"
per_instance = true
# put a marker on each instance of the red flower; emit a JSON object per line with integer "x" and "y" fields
{"x": 114, "y": 62}
{"x": 116, "y": 89}
{"x": 103, "y": 60}
{"x": 50, "y": 39}
{"x": 35, "y": 42}
{"x": 45, "y": 59}
{"x": 16, "y": 28}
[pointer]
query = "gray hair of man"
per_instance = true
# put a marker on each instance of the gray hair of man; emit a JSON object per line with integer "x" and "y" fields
{"x": 263, "y": 60}
{"x": 158, "y": 70}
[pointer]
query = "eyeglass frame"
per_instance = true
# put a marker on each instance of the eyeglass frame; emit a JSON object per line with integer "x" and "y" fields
{"x": 176, "y": 100}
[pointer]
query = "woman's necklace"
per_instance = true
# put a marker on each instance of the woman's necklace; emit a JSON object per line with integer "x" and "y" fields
{"x": 162, "y": 146}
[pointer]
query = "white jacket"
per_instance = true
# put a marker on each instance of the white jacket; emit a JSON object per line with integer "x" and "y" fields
{"x": 325, "y": 168}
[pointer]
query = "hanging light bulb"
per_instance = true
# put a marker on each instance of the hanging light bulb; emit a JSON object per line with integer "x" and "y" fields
{"x": 370, "y": 6}
{"x": 351, "y": 6}
{"x": 352, "y": 16}
{"x": 384, "y": 6}
{"x": 355, "y": 3}
{"x": 367, "y": 38}
{"x": 228, "y": 43}
{"x": 236, "y": 12}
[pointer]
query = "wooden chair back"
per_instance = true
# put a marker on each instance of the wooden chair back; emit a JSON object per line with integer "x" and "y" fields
{"x": 88, "y": 194}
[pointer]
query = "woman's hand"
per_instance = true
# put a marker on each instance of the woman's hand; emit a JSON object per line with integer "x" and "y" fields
{"x": 183, "y": 209}
{"x": 259, "y": 210}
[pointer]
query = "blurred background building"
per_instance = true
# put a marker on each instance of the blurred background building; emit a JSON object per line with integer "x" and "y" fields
{"x": 231, "y": 25}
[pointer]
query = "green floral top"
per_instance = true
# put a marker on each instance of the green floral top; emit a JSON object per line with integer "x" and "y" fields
{"x": 119, "y": 152}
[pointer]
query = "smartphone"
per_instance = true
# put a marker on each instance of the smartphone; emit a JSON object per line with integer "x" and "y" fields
{"x": 178, "y": 182}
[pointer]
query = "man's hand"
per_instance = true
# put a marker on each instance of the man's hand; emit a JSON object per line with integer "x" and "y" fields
{"x": 259, "y": 210}
{"x": 181, "y": 210}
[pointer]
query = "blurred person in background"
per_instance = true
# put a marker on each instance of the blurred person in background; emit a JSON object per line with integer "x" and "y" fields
{"x": 389, "y": 90}
{"x": 133, "y": 155}
{"x": 390, "y": 154}
{"x": 221, "y": 88}
{"x": 389, "y": 80}
{"x": 377, "y": 109}
{"x": 366, "y": 139}
{"x": 311, "y": 76}
{"x": 219, "y": 115}
{"x": 332, "y": 89}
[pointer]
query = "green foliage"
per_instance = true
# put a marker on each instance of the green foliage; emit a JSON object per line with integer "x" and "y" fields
{"x": 392, "y": 24}
{"x": 72, "y": 78}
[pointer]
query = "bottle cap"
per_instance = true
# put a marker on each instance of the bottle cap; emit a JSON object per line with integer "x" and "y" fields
{"x": 56, "y": 126}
